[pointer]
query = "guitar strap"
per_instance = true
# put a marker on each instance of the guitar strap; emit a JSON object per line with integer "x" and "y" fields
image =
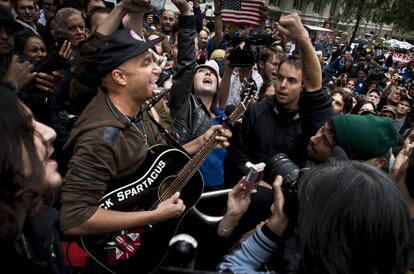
{"x": 164, "y": 132}
{"x": 167, "y": 135}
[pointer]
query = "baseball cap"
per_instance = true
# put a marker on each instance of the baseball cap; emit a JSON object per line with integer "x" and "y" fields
{"x": 374, "y": 90}
{"x": 7, "y": 18}
{"x": 217, "y": 54}
{"x": 211, "y": 64}
{"x": 119, "y": 47}
{"x": 391, "y": 109}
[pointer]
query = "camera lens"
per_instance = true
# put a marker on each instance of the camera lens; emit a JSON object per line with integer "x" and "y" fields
{"x": 281, "y": 165}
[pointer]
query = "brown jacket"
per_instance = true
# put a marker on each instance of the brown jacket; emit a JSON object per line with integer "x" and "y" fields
{"x": 104, "y": 149}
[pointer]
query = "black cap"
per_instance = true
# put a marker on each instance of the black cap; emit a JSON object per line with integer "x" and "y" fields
{"x": 6, "y": 17}
{"x": 119, "y": 47}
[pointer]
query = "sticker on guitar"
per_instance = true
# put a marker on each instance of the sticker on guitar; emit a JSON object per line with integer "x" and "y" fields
{"x": 123, "y": 245}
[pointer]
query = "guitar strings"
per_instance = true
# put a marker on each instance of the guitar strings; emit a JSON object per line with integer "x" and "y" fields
{"x": 186, "y": 173}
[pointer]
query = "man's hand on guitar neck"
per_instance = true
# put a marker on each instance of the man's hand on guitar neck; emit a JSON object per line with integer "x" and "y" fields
{"x": 173, "y": 207}
{"x": 221, "y": 138}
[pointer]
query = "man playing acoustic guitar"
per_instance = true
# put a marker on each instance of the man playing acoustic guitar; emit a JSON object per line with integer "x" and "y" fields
{"x": 110, "y": 143}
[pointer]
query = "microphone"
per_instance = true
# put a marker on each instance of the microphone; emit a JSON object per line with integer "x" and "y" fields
{"x": 153, "y": 100}
{"x": 149, "y": 104}
{"x": 182, "y": 250}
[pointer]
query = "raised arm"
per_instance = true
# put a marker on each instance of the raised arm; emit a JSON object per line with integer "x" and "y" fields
{"x": 134, "y": 8}
{"x": 218, "y": 24}
{"x": 185, "y": 61}
{"x": 199, "y": 14}
{"x": 264, "y": 15}
{"x": 85, "y": 82}
{"x": 291, "y": 26}
{"x": 224, "y": 87}
{"x": 134, "y": 21}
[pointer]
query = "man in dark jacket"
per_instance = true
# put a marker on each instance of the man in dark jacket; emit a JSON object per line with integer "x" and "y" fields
{"x": 284, "y": 122}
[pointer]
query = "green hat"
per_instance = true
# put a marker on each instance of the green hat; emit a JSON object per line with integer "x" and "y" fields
{"x": 364, "y": 137}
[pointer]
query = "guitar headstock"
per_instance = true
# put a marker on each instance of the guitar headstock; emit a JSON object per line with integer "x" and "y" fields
{"x": 248, "y": 91}
{"x": 248, "y": 94}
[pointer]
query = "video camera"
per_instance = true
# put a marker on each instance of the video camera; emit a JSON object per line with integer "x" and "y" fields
{"x": 249, "y": 55}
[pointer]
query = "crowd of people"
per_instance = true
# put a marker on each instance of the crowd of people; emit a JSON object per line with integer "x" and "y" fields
{"x": 117, "y": 118}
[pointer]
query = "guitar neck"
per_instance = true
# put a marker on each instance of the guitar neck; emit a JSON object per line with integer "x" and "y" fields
{"x": 192, "y": 166}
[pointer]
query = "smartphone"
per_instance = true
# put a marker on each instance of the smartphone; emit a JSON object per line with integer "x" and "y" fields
{"x": 255, "y": 174}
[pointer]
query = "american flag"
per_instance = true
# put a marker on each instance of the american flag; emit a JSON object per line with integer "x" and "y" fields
{"x": 241, "y": 11}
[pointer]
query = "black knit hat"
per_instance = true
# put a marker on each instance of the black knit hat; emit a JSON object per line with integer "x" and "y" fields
{"x": 6, "y": 17}
{"x": 119, "y": 47}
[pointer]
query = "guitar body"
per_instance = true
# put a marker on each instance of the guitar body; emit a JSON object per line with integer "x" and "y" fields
{"x": 141, "y": 249}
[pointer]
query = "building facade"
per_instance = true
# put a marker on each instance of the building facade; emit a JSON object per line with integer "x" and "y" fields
{"x": 317, "y": 15}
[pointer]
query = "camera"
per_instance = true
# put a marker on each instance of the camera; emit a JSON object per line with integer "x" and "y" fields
{"x": 280, "y": 164}
{"x": 242, "y": 57}
{"x": 249, "y": 55}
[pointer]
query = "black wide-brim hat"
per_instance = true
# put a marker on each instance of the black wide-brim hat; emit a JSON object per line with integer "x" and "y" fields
{"x": 119, "y": 47}
{"x": 6, "y": 17}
